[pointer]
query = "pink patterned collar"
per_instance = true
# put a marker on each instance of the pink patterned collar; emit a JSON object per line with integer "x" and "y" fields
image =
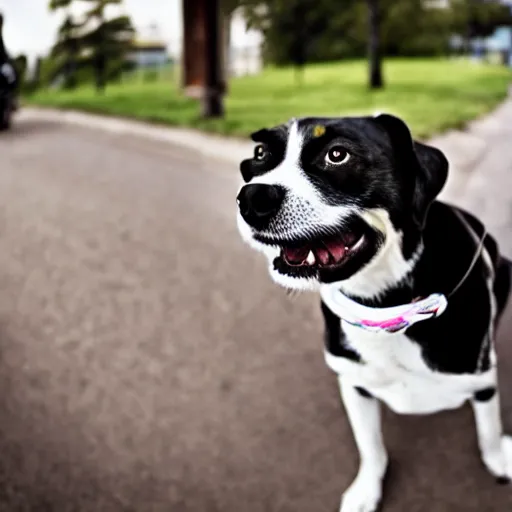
{"x": 394, "y": 319}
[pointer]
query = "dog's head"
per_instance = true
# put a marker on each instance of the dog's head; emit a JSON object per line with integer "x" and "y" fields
{"x": 339, "y": 200}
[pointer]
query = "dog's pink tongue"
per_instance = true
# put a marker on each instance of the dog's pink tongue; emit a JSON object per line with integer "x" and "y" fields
{"x": 322, "y": 255}
{"x": 296, "y": 256}
{"x": 337, "y": 250}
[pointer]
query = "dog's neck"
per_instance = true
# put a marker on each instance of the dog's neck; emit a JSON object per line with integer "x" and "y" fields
{"x": 396, "y": 295}
{"x": 389, "y": 279}
{"x": 432, "y": 268}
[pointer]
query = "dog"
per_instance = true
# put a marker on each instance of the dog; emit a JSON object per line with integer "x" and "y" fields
{"x": 350, "y": 204}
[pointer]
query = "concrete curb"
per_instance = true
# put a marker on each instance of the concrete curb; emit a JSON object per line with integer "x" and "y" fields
{"x": 229, "y": 149}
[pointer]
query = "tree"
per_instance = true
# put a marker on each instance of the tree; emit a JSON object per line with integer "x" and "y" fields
{"x": 291, "y": 28}
{"x": 374, "y": 55}
{"x": 20, "y": 63}
{"x": 95, "y": 42}
{"x": 413, "y": 28}
{"x": 303, "y": 26}
{"x": 228, "y": 6}
{"x": 478, "y": 18}
{"x": 67, "y": 51}
{"x": 107, "y": 42}
{"x": 36, "y": 77}
{"x": 324, "y": 31}
{"x": 59, "y": 4}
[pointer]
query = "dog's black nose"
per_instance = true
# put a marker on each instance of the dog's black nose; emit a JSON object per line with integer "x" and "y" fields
{"x": 258, "y": 203}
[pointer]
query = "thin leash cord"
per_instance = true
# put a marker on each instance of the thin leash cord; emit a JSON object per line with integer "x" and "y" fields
{"x": 478, "y": 253}
{"x": 473, "y": 263}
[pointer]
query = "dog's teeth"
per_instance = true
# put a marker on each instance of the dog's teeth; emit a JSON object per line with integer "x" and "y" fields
{"x": 311, "y": 258}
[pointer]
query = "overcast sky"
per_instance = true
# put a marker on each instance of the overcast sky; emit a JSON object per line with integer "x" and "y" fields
{"x": 30, "y": 28}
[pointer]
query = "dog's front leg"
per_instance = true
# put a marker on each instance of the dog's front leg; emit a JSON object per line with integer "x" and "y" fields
{"x": 495, "y": 448}
{"x": 364, "y": 415}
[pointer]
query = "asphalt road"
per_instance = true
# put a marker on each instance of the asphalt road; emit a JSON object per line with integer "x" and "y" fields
{"x": 147, "y": 363}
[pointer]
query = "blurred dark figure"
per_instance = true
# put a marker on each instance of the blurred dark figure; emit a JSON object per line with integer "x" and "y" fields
{"x": 374, "y": 53}
{"x": 8, "y": 84}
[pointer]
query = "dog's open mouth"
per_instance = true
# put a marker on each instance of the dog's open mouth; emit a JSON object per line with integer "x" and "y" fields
{"x": 325, "y": 256}
{"x": 327, "y": 252}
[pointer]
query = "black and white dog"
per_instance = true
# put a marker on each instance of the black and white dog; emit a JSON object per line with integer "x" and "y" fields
{"x": 350, "y": 203}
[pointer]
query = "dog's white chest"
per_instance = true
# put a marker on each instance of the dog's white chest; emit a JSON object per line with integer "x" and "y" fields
{"x": 394, "y": 371}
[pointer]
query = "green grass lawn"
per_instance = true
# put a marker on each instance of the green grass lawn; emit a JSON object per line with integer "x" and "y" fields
{"x": 432, "y": 95}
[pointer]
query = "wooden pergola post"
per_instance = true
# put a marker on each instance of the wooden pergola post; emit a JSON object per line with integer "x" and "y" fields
{"x": 203, "y": 62}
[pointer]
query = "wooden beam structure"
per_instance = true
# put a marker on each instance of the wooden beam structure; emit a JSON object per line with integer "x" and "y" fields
{"x": 203, "y": 74}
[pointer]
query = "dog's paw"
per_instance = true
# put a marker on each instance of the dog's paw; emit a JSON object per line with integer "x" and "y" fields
{"x": 499, "y": 462}
{"x": 363, "y": 495}
{"x": 506, "y": 443}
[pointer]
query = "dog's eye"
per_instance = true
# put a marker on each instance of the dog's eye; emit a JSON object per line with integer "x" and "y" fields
{"x": 337, "y": 156}
{"x": 260, "y": 152}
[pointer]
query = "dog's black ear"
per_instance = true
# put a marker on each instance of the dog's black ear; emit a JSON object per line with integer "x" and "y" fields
{"x": 260, "y": 135}
{"x": 424, "y": 168}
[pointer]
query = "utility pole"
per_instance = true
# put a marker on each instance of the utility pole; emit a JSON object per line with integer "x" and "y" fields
{"x": 213, "y": 93}
{"x": 203, "y": 69}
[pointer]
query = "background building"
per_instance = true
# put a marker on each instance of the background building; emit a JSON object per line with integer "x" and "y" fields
{"x": 149, "y": 49}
